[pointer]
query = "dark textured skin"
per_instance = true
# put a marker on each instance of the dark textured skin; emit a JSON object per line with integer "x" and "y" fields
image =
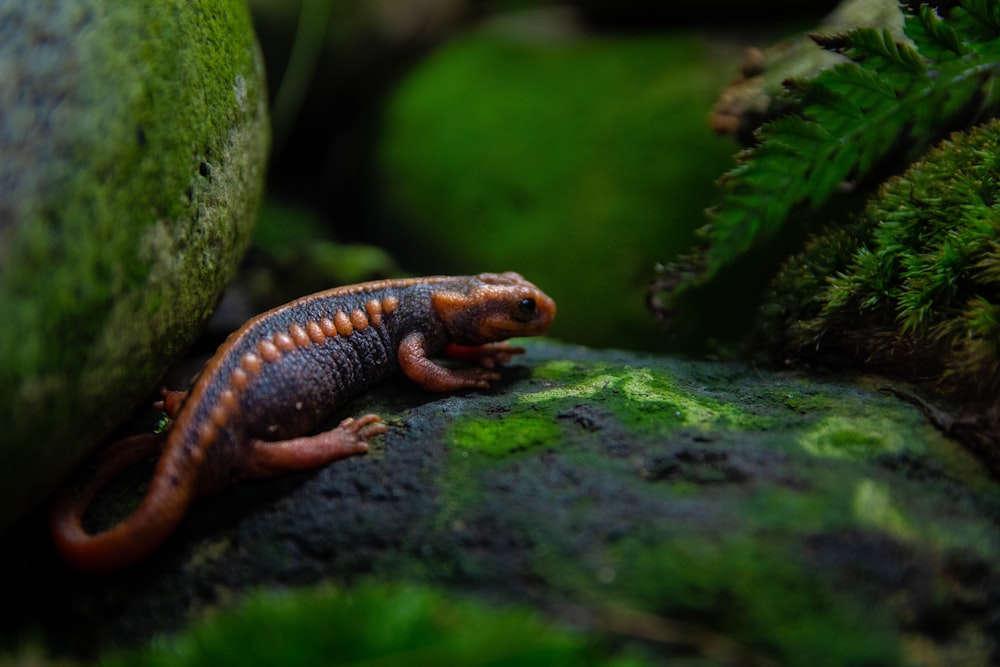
{"x": 224, "y": 429}
{"x": 320, "y": 376}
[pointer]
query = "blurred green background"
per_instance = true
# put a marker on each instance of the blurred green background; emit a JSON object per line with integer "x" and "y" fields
{"x": 569, "y": 142}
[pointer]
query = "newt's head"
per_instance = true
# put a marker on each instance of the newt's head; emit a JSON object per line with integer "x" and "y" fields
{"x": 492, "y": 307}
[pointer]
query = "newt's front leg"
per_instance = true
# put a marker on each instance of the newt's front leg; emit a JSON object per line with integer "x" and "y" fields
{"x": 412, "y": 355}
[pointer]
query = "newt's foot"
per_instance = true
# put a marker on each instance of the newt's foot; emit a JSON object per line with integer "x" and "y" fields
{"x": 476, "y": 378}
{"x": 348, "y": 439}
{"x": 363, "y": 427}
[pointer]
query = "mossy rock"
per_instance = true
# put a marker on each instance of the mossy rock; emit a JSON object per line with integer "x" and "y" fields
{"x": 911, "y": 285}
{"x": 134, "y": 139}
{"x": 708, "y": 513}
{"x": 580, "y": 161}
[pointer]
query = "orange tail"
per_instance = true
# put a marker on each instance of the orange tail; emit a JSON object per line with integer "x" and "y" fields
{"x": 135, "y": 537}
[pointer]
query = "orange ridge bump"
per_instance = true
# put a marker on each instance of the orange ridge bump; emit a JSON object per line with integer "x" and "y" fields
{"x": 219, "y": 416}
{"x": 283, "y": 341}
{"x": 206, "y": 434}
{"x": 359, "y": 320}
{"x": 389, "y": 304}
{"x": 229, "y": 400}
{"x": 197, "y": 455}
{"x": 239, "y": 378}
{"x": 268, "y": 350}
{"x": 343, "y": 322}
{"x": 316, "y": 334}
{"x": 328, "y": 328}
{"x": 299, "y": 335}
{"x": 251, "y": 363}
{"x": 374, "y": 308}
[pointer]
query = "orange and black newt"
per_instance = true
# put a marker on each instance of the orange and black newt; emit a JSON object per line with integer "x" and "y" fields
{"x": 282, "y": 374}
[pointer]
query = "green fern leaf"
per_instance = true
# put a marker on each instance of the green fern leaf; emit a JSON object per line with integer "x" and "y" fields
{"x": 878, "y": 49}
{"x": 865, "y": 88}
{"x": 978, "y": 20}
{"x": 851, "y": 117}
{"x": 936, "y": 37}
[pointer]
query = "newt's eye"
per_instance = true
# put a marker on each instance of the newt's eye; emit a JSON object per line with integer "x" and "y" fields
{"x": 524, "y": 310}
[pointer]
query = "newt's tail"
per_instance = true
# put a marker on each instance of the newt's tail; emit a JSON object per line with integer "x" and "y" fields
{"x": 136, "y": 536}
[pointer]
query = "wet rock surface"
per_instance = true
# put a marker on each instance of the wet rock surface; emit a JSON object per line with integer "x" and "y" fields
{"x": 809, "y": 520}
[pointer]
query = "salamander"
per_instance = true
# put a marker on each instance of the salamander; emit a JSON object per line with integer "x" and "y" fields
{"x": 250, "y": 411}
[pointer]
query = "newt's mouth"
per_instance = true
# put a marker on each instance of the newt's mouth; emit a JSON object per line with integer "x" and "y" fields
{"x": 508, "y": 329}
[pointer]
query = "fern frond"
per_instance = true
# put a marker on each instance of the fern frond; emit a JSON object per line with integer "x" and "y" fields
{"x": 877, "y": 48}
{"x": 978, "y": 20}
{"x": 936, "y": 37}
{"x": 890, "y": 94}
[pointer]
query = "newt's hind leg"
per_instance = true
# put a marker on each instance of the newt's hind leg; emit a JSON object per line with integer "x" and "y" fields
{"x": 264, "y": 459}
{"x": 172, "y": 401}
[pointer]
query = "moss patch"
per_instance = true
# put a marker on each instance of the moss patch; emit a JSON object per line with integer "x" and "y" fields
{"x": 909, "y": 285}
{"x": 517, "y": 431}
{"x": 852, "y": 437}
{"x": 371, "y": 624}
{"x": 136, "y": 163}
{"x": 752, "y": 593}
{"x": 647, "y": 398}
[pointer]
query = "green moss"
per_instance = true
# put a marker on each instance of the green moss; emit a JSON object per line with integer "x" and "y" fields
{"x": 130, "y": 211}
{"x": 516, "y": 431}
{"x": 752, "y": 593}
{"x": 554, "y": 149}
{"x": 854, "y": 436}
{"x": 646, "y": 398}
{"x": 874, "y": 508}
{"x": 372, "y": 625}
{"x": 912, "y": 285}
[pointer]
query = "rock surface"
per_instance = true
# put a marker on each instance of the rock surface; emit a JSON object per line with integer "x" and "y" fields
{"x": 134, "y": 139}
{"x": 709, "y": 509}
